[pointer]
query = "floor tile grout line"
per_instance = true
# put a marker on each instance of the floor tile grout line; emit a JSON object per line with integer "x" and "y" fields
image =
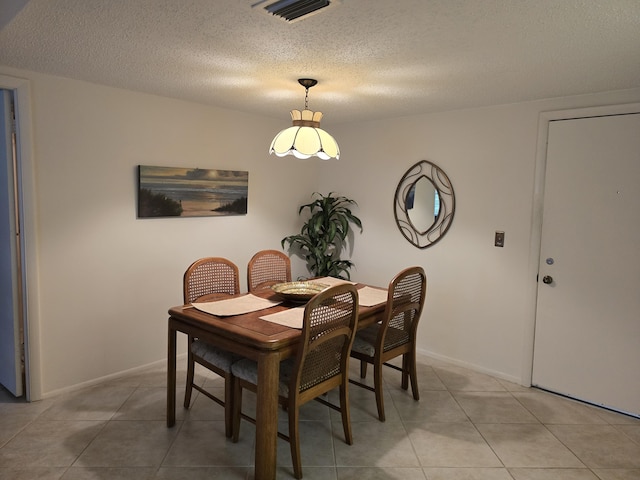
{"x": 19, "y": 431}
{"x": 612, "y": 422}
{"x": 104, "y": 426}
{"x": 545, "y": 425}
{"x": 124, "y": 402}
{"x": 475, "y": 427}
{"x": 178, "y": 426}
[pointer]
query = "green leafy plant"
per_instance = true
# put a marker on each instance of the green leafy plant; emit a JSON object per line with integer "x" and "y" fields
{"x": 324, "y": 235}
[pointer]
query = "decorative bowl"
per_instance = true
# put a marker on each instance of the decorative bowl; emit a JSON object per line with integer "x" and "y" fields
{"x": 298, "y": 292}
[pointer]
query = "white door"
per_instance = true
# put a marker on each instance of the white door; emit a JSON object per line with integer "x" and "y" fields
{"x": 587, "y": 333}
{"x": 10, "y": 318}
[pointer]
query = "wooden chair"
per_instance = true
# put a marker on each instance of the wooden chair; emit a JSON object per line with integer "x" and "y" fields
{"x": 204, "y": 277}
{"x": 320, "y": 365}
{"x": 266, "y": 268}
{"x": 395, "y": 335}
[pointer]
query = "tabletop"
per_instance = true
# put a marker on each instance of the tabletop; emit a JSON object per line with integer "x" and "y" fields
{"x": 249, "y": 328}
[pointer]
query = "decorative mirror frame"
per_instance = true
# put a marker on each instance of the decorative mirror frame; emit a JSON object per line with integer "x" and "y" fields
{"x": 442, "y": 184}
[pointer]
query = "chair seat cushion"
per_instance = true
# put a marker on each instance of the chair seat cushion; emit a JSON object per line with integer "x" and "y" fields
{"x": 248, "y": 370}
{"x": 214, "y": 355}
{"x": 365, "y": 340}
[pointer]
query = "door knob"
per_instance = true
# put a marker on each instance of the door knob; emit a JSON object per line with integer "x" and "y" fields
{"x": 547, "y": 279}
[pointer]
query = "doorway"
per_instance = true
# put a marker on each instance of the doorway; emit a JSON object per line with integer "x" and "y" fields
{"x": 12, "y": 332}
{"x": 587, "y": 331}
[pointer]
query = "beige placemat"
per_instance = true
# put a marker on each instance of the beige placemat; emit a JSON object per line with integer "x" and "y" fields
{"x": 291, "y": 317}
{"x": 369, "y": 296}
{"x": 331, "y": 281}
{"x": 235, "y": 306}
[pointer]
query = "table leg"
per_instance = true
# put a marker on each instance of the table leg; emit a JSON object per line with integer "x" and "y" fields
{"x": 267, "y": 416}
{"x": 171, "y": 376}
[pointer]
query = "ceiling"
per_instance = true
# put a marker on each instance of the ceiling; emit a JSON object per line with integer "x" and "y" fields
{"x": 373, "y": 58}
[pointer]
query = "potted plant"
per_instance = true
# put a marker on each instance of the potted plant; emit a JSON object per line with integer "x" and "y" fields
{"x": 324, "y": 235}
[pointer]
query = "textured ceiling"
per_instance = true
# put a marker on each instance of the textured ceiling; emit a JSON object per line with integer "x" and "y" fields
{"x": 372, "y": 58}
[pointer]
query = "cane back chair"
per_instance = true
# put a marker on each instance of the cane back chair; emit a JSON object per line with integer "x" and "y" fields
{"x": 320, "y": 365}
{"x": 204, "y": 277}
{"x": 394, "y": 336}
{"x": 266, "y": 268}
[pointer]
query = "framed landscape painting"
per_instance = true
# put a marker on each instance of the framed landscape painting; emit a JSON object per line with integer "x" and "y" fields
{"x": 191, "y": 192}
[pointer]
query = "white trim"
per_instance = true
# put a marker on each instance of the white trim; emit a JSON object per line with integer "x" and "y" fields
{"x": 538, "y": 203}
{"x": 113, "y": 376}
{"x": 470, "y": 366}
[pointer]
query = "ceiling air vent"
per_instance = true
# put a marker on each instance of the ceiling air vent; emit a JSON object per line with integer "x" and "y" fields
{"x": 293, "y": 10}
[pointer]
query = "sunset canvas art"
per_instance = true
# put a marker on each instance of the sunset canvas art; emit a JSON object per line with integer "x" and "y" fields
{"x": 191, "y": 192}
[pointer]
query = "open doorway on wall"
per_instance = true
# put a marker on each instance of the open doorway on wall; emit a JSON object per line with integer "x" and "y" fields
{"x": 13, "y": 371}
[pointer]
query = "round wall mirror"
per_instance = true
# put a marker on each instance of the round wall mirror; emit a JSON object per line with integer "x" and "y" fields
{"x": 424, "y": 204}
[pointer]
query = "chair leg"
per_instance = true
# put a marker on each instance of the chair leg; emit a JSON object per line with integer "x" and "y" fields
{"x": 363, "y": 369}
{"x": 406, "y": 369}
{"x": 190, "y": 375}
{"x": 377, "y": 383}
{"x": 344, "y": 410}
{"x": 236, "y": 409}
{"x": 229, "y": 385}
{"x": 294, "y": 440}
{"x": 413, "y": 373}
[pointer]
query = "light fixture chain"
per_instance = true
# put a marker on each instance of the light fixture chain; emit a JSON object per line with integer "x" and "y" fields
{"x": 306, "y": 98}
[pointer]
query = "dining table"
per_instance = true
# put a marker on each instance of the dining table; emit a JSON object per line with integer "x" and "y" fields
{"x": 263, "y": 341}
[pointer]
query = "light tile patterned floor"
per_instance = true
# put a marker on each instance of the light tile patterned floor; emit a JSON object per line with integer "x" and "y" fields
{"x": 466, "y": 426}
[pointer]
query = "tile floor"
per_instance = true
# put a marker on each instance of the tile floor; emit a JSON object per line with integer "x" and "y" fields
{"x": 466, "y": 426}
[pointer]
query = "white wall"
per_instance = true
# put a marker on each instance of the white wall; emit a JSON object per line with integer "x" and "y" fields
{"x": 480, "y": 299}
{"x": 106, "y": 278}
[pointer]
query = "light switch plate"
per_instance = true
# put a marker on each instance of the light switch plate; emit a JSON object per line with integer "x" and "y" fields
{"x": 499, "y": 239}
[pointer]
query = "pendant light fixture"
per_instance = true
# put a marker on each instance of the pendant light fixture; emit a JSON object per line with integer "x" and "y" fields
{"x": 305, "y": 138}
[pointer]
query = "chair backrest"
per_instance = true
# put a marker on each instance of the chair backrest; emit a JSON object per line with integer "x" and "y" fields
{"x": 328, "y": 330}
{"x": 210, "y": 275}
{"x": 266, "y": 268}
{"x": 405, "y": 301}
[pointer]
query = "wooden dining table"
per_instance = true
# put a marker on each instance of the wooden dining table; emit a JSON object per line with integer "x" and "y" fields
{"x": 265, "y": 342}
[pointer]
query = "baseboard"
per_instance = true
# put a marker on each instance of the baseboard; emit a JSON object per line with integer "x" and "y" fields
{"x": 471, "y": 366}
{"x": 163, "y": 363}
{"x": 107, "y": 378}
